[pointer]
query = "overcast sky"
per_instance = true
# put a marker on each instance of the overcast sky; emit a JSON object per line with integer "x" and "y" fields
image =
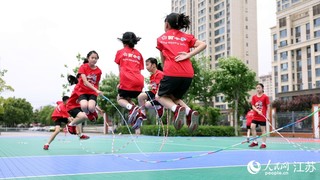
{"x": 38, "y": 37}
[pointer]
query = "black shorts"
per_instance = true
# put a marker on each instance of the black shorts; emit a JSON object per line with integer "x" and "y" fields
{"x": 59, "y": 121}
{"x": 175, "y": 86}
{"x": 150, "y": 95}
{"x": 259, "y": 123}
{"x": 74, "y": 112}
{"x": 128, "y": 94}
{"x": 151, "y": 98}
{"x": 87, "y": 97}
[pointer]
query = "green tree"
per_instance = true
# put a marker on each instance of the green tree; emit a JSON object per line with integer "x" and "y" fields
{"x": 108, "y": 86}
{"x": 1, "y": 109}
{"x": 201, "y": 88}
{"x": 234, "y": 79}
{"x": 44, "y": 115}
{"x": 202, "y": 91}
{"x": 17, "y": 111}
{"x": 3, "y": 85}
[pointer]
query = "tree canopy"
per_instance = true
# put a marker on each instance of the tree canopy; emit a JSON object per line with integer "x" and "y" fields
{"x": 234, "y": 79}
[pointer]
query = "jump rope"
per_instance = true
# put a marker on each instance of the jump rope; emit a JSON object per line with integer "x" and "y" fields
{"x": 286, "y": 139}
{"x": 203, "y": 154}
{"x": 160, "y": 123}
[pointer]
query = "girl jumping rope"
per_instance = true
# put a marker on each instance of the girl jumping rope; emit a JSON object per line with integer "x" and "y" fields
{"x": 260, "y": 104}
{"x": 147, "y": 99}
{"x": 90, "y": 75}
{"x": 174, "y": 46}
{"x": 130, "y": 63}
{"x": 59, "y": 116}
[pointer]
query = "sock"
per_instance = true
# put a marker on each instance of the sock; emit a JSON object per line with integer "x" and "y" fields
{"x": 158, "y": 107}
{"x": 187, "y": 110}
{"x": 173, "y": 108}
{"x": 143, "y": 111}
{"x": 129, "y": 106}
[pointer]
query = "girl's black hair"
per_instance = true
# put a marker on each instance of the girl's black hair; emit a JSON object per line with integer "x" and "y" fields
{"x": 130, "y": 39}
{"x": 178, "y": 21}
{"x": 88, "y": 55}
{"x": 64, "y": 98}
{"x": 155, "y": 61}
{"x": 72, "y": 79}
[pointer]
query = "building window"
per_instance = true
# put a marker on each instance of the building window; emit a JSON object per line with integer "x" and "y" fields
{"x": 297, "y": 34}
{"x": 219, "y": 40}
{"x": 278, "y": 6}
{"x": 318, "y": 72}
{"x": 219, "y": 15}
{"x": 316, "y": 10}
{"x": 202, "y": 28}
{"x": 299, "y": 65}
{"x": 221, "y": 107}
{"x": 316, "y": 22}
{"x": 309, "y": 75}
{"x": 285, "y": 6}
{"x": 284, "y": 55}
{"x": 283, "y": 33}
{"x": 219, "y": 6}
{"x": 317, "y": 59}
{"x": 317, "y": 84}
{"x": 219, "y": 31}
{"x": 220, "y": 48}
{"x": 317, "y": 34}
{"x": 317, "y": 47}
{"x": 283, "y": 43}
{"x": 216, "y": 57}
{"x": 219, "y": 23}
{"x": 285, "y": 88}
{"x": 202, "y": 36}
{"x": 298, "y": 54}
{"x": 284, "y": 78}
{"x": 282, "y": 22}
{"x": 308, "y": 31}
{"x": 284, "y": 67}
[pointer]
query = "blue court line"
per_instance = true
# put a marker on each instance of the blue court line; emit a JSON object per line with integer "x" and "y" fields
{"x": 18, "y": 167}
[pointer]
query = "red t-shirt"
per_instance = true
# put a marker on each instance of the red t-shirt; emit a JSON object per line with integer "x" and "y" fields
{"x": 93, "y": 77}
{"x": 155, "y": 81}
{"x": 249, "y": 117}
{"x": 130, "y": 62}
{"x": 73, "y": 102}
{"x": 60, "y": 111}
{"x": 170, "y": 44}
{"x": 260, "y": 103}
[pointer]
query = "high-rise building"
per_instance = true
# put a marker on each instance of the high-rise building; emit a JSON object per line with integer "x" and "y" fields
{"x": 229, "y": 27}
{"x": 296, "y": 47}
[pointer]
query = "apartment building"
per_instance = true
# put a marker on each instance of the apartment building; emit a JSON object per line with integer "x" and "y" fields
{"x": 296, "y": 48}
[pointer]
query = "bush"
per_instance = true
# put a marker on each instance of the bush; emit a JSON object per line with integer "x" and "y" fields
{"x": 153, "y": 130}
